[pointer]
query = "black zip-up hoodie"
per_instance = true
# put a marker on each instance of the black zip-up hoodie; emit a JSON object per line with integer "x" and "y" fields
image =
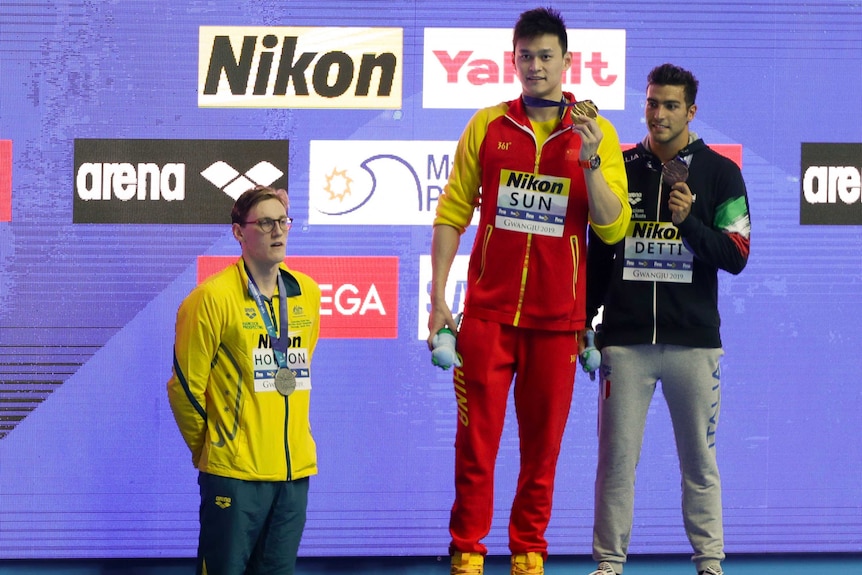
{"x": 660, "y": 283}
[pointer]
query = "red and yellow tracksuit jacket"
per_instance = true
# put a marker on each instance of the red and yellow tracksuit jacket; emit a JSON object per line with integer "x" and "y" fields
{"x": 528, "y": 263}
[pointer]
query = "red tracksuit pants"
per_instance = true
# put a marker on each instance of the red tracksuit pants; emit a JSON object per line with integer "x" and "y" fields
{"x": 543, "y": 365}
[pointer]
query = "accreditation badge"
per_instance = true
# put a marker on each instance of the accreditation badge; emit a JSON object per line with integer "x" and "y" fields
{"x": 532, "y": 203}
{"x": 655, "y": 252}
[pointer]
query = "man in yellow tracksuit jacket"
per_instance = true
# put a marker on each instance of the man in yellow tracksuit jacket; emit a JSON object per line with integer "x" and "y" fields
{"x": 240, "y": 394}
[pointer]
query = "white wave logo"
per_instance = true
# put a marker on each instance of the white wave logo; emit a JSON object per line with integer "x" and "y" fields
{"x": 377, "y": 182}
{"x": 233, "y": 183}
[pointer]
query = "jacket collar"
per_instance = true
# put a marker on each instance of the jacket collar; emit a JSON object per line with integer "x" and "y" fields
{"x": 518, "y": 111}
{"x": 291, "y": 284}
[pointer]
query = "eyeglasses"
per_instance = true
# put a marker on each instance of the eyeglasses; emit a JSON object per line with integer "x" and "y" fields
{"x": 266, "y": 225}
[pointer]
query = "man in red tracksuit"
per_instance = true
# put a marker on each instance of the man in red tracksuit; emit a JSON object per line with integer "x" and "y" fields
{"x": 543, "y": 170}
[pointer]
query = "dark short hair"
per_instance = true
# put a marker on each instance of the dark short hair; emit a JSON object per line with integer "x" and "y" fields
{"x": 538, "y": 22}
{"x": 250, "y": 198}
{"x": 670, "y": 75}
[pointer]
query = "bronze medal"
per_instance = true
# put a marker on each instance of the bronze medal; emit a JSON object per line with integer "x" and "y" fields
{"x": 285, "y": 381}
{"x": 674, "y": 171}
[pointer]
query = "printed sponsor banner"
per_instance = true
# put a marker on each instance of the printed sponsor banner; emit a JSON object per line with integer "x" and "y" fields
{"x": 831, "y": 184}
{"x": 472, "y": 67}
{"x": 299, "y": 67}
{"x": 456, "y": 290}
{"x": 171, "y": 181}
{"x": 359, "y": 295}
{"x": 729, "y": 151}
{"x": 362, "y": 183}
{"x": 5, "y": 180}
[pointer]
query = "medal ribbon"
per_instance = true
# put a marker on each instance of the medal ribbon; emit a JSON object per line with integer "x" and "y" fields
{"x": 581, "y": 107}
{"x": 278, "y": 338}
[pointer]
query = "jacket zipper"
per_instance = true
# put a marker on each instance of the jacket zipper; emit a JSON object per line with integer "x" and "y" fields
{"x": 654, "y": 283}
{"x": 287, "y": 438}
{"x": 526, "y": 262}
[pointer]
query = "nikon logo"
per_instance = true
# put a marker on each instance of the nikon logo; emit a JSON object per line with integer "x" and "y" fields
{"x": 296, "y": 67}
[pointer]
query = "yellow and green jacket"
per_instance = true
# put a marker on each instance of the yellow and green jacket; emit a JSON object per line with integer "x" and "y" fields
{"x": 221, "y": 392}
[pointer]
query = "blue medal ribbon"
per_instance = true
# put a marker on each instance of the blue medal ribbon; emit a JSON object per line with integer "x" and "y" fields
{"x": 278, "y": 338}
{"x": 581, "y": 107}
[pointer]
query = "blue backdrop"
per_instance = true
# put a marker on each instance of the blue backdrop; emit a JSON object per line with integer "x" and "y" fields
{"x": 91, "y": 462}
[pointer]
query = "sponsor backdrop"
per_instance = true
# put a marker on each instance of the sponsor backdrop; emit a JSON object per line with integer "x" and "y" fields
{"x": 128, "y": 128}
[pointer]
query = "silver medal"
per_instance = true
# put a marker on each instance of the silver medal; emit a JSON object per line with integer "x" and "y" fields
{"x": 285, "y": 381}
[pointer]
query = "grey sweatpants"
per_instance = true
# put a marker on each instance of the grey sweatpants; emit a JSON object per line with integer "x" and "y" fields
{"x": 690, "y": 383}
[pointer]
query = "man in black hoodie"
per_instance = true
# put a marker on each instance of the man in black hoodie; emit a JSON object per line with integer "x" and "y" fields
{"x": 659, "y": 289}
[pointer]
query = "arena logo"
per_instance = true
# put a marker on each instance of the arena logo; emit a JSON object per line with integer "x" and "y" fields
{"x": 5, "y": 180}
{"x": 232, "y": 182}
{"x": 125, "y": 181}
{"x": 299, "y": 67}
{"x": 473, "y": 68}
{"x": 831, "y": 184}
{"x": 171, "y": 181}
{"x": 359, "y": 295}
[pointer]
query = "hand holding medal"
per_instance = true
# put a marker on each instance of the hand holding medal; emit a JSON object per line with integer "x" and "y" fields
{"x": 674, "y": 171}
{"x": 584, "y": 108}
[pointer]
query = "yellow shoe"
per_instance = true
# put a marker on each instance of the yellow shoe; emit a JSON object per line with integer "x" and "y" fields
{"x": 528, "y": 564}
{"x": 467, "y": 564}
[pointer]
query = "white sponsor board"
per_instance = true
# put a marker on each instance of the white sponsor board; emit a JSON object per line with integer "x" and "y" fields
{"x": 472, "y": 67}
{"x": 389, "y": 183}
{"x": 299, "y": 67}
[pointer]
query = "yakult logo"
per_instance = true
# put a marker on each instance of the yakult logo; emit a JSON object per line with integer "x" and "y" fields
{"x": 359, "y": 295}
{"x": 472, "y": 67}
{"x": 831, "y": 184}
{"x": 299, "y": 67}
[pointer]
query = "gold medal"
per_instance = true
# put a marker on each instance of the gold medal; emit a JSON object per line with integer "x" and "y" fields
{"x": 285, "y": 381}
{"x": 585, "y": 108}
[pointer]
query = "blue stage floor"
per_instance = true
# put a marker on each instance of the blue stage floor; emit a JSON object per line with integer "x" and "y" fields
{"x": 783, "y": 564}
